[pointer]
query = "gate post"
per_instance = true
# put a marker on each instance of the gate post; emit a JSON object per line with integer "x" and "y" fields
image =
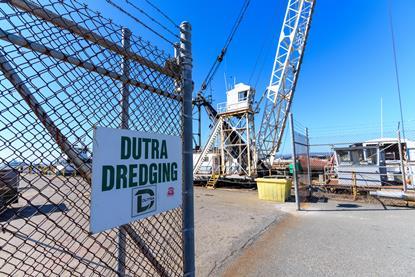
{"x": 308, "y": 162}
{"x": 187, "y": 115}
{"x": 294, "y": 158}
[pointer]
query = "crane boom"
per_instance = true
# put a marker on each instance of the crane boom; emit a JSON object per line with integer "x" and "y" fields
{"x": 279, "y": 94}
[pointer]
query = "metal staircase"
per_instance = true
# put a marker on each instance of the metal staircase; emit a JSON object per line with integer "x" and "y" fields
{"x": 211, "y": 184}
{"x": 208, "y": 146}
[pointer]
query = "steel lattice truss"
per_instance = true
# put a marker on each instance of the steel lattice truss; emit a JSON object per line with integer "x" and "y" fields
{"x": 232, "y": 139}
{"x": 278, "y": 96}
{"x": 237, "y": 144}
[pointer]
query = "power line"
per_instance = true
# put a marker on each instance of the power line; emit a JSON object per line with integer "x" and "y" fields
{"x": 138, "y": 20}
{"x": 162, "y": 13}
{"x": 396, "y": 65}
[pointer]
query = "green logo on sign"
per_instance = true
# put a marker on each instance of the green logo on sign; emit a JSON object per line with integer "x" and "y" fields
{"x": 144, "y": 200}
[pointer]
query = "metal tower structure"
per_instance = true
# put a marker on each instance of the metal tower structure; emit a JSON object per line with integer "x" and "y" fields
{"x": 230, "y": 149}
{"x": 238, "y": 155}
{"x": 279, "y": 94}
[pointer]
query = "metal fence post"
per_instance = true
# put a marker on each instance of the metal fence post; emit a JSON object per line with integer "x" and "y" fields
{"x": 402, "y": 163}
{"x": 188, "y": 213}
{"x": 294, "y": 158}
{"x": 308, "y": 164}
{"x": 354, "y": 185}
{"x": 125, "y": 104}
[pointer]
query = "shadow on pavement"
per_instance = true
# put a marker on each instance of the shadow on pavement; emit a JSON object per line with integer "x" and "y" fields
{"x": 348, "y": 205}
{"x": 29, "y": 211}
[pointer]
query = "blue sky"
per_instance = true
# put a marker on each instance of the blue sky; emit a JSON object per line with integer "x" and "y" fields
{"x": 347, "y": 67}
{"x": 348, "y": 63}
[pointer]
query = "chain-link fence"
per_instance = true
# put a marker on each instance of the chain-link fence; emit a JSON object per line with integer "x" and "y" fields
{"x": 64, "y": 70}
{"x": 299, "y": 162}
{"x": 351, "y": 163}
{"x": 358, "y": 162}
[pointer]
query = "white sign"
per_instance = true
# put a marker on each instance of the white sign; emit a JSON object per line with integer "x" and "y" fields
{"x": 134, "y": 175}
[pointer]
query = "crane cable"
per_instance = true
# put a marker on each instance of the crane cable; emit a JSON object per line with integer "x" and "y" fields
{"x": 222, "y": 54}
{"x": 265, "y": 48}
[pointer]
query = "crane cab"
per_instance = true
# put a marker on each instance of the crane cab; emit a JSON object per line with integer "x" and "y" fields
{"x": 237, "y": 99}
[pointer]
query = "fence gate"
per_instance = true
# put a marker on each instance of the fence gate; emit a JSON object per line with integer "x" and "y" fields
{"x": 300, "y": 168}
{"x": 64, "y": 70}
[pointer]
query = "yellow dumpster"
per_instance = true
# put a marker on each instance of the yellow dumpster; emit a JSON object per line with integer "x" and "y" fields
{"x": 274, "y": 189}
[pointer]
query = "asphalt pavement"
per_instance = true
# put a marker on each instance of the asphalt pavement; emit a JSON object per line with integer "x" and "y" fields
{"x": 226, "y": 222}
{"x": 333, "y": 239}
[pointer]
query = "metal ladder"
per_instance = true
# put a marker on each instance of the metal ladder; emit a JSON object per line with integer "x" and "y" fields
{"x": 211, "y": 184}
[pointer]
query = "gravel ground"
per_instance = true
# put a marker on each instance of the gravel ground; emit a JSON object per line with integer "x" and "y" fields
{"x": 333, "y": 239}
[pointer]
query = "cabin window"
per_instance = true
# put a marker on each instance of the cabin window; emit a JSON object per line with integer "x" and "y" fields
{"x": 351, "y": 157}
{"x": 344, "y": 156}
{"x": 390, "y": 156}
{"x": 371, "y": 156}
{"x": 357, "y": 156}
{"x": 391, "y": 152}
{"x": 242, "y": 96}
